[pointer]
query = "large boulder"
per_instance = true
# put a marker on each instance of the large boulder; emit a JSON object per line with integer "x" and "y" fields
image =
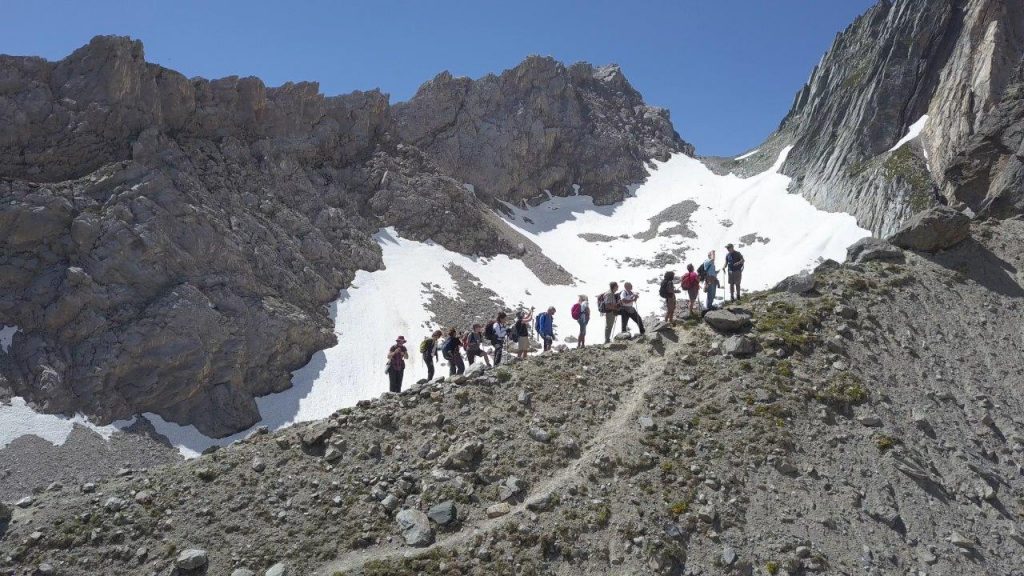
{"x": 191, "y": 559}
{"x": 727, "y": 321}
{"x": 415, "y": 527}
{"x": 738, "y": 346}
{"x": 802, "y": 283}
{"x": 870, "y": 248}
{"x": 936, "y": 229}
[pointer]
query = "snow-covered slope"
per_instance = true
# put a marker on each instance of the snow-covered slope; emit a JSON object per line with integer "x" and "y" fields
{"x": 677, "y": 216}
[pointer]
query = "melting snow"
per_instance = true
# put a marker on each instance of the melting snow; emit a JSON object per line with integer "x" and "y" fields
{"x": 748, "y": 154}
{"x": 913, "y": 132}
{"x": 6, "y": 337}
{"x": 18, "y": 419}
{"x": 380, "y": 305}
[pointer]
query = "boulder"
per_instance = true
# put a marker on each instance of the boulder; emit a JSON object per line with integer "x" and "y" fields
{"x": 191, "y": 559}
{"x": 279, "y": 569}
{"x": 738, "y": 346}
{"x": 242, "y": 572}
{"x": 415, "y": 527}
{"x": 727, "y": 321}
{"x": 935, "y": 229}
{"x": 868, "y": 249}
{"x": 464, "y": 457}
{"x": 444, "y": 513}
{"x": 801, "y": 284}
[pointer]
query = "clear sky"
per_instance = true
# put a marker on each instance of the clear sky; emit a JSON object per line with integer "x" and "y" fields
{"x": 727, "y": 69}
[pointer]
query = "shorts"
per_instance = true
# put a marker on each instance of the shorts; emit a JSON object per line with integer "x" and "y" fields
{"x": 735, "y": 277}
{"x": 524, "y": 343}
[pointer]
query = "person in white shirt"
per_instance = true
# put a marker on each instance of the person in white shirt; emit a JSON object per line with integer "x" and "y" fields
{"x": 500, "y": 332}
{"x": 627, "y": 308}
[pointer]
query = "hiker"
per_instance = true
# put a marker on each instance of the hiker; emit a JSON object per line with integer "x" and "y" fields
{"x": 520, "y": 333}
{"x": 546, "y": 327}
{"x": 668, "y": 292}
{"x": 428, "y": 350}
{"x": 710, "y": 279}
{"x": 581, "y": 314}
{"x": 691, "y": 283}
{"x": 451, "y": 353}
{"x": 734, "y": 266}
{"x": 397, "y": 355}
{"x": 608, "y": 304}
{"x": 473, "y": 345}
{"x": 496, "y": 333}
{"x": 627, "y": 308}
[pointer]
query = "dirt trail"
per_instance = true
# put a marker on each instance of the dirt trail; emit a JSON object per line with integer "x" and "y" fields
{"x": 612, "y": 431}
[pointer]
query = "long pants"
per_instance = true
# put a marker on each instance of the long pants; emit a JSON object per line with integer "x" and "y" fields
{"x": 609, "y": 323}
{"x": 547, "y": 342}
{"x": 499, "y": 346}
{"x": 395, "y": 377}
{"x": 429, "y": 361}
{"x": 455, "y": 364}
{"x": 712, "y": 287}
{"x": 474, "y": 353}
{"x": 628, "y": 313}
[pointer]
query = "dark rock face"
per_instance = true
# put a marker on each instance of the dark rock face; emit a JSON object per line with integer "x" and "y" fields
{"x": 552, "y": 126}
{"x": 933, "y": 230}
{"x": 168, "y": 245}
{"x": 953, "y": 60}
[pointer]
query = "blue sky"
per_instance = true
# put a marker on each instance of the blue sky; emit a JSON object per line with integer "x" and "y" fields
{"x": 727, "y": 69}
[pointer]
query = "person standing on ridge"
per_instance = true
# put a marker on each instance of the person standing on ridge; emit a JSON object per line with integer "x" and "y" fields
{"x": 521, "y": 333}
{"x": 546, "y": 327}
{"x": 498, "y": 332}
{"x": 474, "y": 345}
{"x": 668, "y": 292}
{"x": 581, "y": 314}
{"x": 627, "y": 308}
{"x": 710, "y": 280}
{"x": 734, "y": 266}
{"x": 691, "y": 283}
{"x": 428, "y": 350}
{"x": 608, "y": 304}
{"x": 451, "y": 353}
{"x": 397, "y": 355}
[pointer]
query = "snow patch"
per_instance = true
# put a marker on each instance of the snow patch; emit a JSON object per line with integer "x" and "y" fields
{"x": 18, "y": 419}
{"x": 913, "y": 132}
{"x": 748, "y": 154}
{"x": 7, "y": 337}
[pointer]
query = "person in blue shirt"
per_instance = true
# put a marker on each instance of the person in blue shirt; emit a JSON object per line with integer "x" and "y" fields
{"x": 734, "y": 266}
{"x": 546, "y": 327}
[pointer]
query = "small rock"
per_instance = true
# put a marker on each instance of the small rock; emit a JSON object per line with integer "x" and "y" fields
{"x": 88, "y": 488}
{"x": 707, "y": 513}
{"x": 803, "y": 551}
{"x": 144, "y": 497}
{"x": 191, "y": 559}
{"x": 523, "y": 398}
{"x": 498, "y": 510}
{"x": 540, "y": 434}
{"x": 45, "y": 569}
{"x": 961, "y": 541}
{"x": 390, "y": 502}
{"x": 728, "y": 556}
{"x": 24, "y": 502}
{"x": 332, "y": 454}
{"x": 870, "y": 420}
{"x": 511, "y": 488}
{"x": 279, "y": 569}
{"x": 738, "y": 346}
{"x": 258, "y": 465}
{"x": 464, "y": 457}
{"x": 647, "y": 423}
{"x": 114, "y": 504}
{"x": 243, "y": 572}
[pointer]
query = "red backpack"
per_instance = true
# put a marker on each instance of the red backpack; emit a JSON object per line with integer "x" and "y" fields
{"x": 576, "y": 310}
{"x": 688, "y": 280}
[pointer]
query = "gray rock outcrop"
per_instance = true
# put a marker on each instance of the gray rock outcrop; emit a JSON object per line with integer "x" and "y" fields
{"x": 168, "y": 245}
{"x": 953, "y": 60}
{"x": 727, "y": 321}
{"x": 933, "y": 230}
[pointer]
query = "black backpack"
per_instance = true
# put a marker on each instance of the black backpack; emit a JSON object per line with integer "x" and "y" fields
{"x": 667, "y": 289}
{"x": 489, "y": 333}
{"x": 702, "y": 273}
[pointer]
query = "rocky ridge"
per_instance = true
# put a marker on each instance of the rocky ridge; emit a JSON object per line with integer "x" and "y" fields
{"x": 168, "y": 245}
{"x": 866, "y": 421}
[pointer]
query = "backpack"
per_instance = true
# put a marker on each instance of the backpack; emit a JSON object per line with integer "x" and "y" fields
{"x": 465, "y": 341}
{"x": 666, "y": 288}
{"x": 702, "y": 273}
{"x": 513, "y": 331}
{"x": 687, "y": 282}
{"x": 425, "y": 345}
{"x": 489, "y": 333}
{"x": 601, "y": 307}
{"x": 576, "y": 310}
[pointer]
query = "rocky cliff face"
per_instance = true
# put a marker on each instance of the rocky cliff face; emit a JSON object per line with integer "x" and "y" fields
{"x": 552, "y": 126}
{"x": 953, "y": 60}
{"x": 168, "y": 244}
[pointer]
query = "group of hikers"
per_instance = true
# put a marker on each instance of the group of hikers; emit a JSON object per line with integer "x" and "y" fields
{"x": 613, "y": 304}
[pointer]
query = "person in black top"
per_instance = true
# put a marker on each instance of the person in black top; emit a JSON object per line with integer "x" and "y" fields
{"x": 397, "y": 355}
{"x": 451, "y": 353}
{"x": 734, "y": 267}
{"x": 428, "y": 349}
